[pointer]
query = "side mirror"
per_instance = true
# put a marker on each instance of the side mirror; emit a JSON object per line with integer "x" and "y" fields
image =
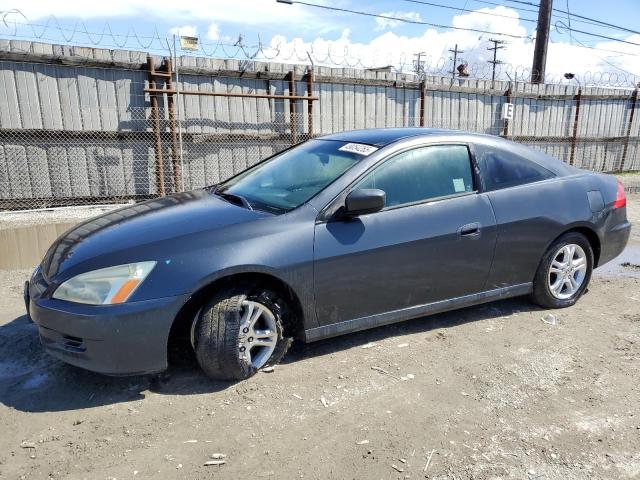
{"x": 363, "y": 201}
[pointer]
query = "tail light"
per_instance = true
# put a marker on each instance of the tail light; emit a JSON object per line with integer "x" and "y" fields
{"x": 621, "y": 196}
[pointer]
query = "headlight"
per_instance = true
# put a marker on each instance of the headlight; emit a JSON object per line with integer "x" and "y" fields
{"x": 105, "y": 286}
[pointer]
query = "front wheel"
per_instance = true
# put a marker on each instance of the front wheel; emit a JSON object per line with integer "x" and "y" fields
{"x": 564, "y": 272}
{"x": 238, "y": 332}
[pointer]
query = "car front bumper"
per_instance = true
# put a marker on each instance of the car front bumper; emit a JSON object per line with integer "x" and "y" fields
{"x": 125, "y": 339}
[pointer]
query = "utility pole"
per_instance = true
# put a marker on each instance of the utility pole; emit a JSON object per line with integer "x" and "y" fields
{"x": 455, "y": 52}
{"x": 542, "y": 41}
{"x": 418, "y": 63}
{"x": 497, "y": 45}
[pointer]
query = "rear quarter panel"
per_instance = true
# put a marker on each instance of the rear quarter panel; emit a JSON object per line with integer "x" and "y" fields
{"x": 615, "y": 226}
{"x": 530, "y": 217}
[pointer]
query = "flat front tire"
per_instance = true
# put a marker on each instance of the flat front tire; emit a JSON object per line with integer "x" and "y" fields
{"x": 238, "y": 332}
{"x": 564, "y": 272}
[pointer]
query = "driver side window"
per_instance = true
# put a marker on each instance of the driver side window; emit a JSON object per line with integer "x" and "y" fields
{"x": 422, "y": 174}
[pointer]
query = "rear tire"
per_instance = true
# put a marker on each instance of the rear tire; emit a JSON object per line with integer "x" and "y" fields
{"x": 564, "y": 272}
{"x": 238, "y": 332}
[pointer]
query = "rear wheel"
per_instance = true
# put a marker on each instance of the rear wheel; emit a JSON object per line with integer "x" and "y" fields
{"x": 564, "y": 272}
{"x": 238, "y": 332}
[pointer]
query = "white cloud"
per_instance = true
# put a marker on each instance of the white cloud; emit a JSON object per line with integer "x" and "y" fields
{"x": 390, "y": 48}
{"x": 185, "y": 31}
{"x": 245, "y": 12}
{"x": 213, "y": 32}
{"x": 388, "y": 23}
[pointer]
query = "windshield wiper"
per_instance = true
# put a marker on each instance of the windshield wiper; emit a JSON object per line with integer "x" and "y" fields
{"x": 242, "y": 201}
{"x": 235, "y": 199}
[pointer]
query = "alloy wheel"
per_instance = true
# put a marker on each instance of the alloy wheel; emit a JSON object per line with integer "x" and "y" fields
{"x": 567, "y": 271}
{"x": 258, "y": 334}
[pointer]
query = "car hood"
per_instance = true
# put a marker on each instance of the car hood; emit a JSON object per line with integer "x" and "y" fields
{"x": 141, "y": 224}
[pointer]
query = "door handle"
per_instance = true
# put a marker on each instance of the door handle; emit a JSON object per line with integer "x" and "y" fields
{"x": 469, "y": 230}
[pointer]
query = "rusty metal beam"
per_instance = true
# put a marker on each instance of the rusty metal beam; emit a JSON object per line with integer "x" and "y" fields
{"x": 414, "y": 86}
{"x": 229, "y": 94}
{"x": 155, "y": 120}
{"x": 172, "y": 128}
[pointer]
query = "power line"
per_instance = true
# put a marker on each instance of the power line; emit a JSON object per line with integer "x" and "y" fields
{"x": 420, "y": 22}
{"x": 595, "y": 21}
{"x": 600, "y": 22}
{"x": 566, "y": 12}
{"x": 575, "y": 17}
{"x": 475, "y": 12}
{"x": 537, "y": 5}
{"x": 496, "y": 4}
{"x": 569, "y": 21}
{"x": 575, "y": 30}
{"x": 582, "y": 45}
{"x": 400, "y": 19}
{"x": 464, "y": 7}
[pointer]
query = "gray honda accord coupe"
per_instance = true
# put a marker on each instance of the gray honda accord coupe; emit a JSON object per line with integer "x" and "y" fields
{"x": 338, "y": 234}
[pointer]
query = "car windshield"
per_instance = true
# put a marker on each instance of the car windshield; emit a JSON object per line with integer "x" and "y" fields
{"x": 286, "y": 181}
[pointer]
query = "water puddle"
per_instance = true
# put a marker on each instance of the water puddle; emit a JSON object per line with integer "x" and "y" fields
{"x": 627, "y": 264}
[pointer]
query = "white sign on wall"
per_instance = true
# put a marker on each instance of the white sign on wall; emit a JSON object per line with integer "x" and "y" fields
{"x": 189, "y": 43}
{"x": 507, "y": 111}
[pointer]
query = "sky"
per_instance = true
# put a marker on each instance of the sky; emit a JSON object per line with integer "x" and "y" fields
{"x": 292, "y": 32}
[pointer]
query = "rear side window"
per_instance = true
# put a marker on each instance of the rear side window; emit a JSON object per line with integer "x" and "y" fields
{"x": 504, "y": 169}
{"x": 422, "y": 173}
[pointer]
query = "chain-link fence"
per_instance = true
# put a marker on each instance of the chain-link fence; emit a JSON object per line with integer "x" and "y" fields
{"x": 81, "y": 135}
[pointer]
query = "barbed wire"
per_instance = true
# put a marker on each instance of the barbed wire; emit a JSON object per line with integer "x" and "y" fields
{"x": 14, "y": 24}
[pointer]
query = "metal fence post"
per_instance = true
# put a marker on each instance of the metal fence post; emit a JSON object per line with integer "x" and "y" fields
{"x": 423, "y": 88}
{"x": 634, "y": 100}
{"x": 574, "y": 137}
{"x": 292, "y": 108}
{"x": 310, "y": 102}
{"x": 508, "y": 94}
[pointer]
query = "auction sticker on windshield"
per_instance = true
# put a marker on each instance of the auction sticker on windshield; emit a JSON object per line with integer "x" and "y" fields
{"x": 358, "y": 148}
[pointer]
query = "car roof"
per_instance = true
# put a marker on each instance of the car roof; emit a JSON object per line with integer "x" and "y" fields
{"x": 381, "y": 137}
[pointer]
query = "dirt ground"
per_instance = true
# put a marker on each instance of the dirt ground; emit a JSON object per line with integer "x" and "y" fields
{"x": 486, "y": 392}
